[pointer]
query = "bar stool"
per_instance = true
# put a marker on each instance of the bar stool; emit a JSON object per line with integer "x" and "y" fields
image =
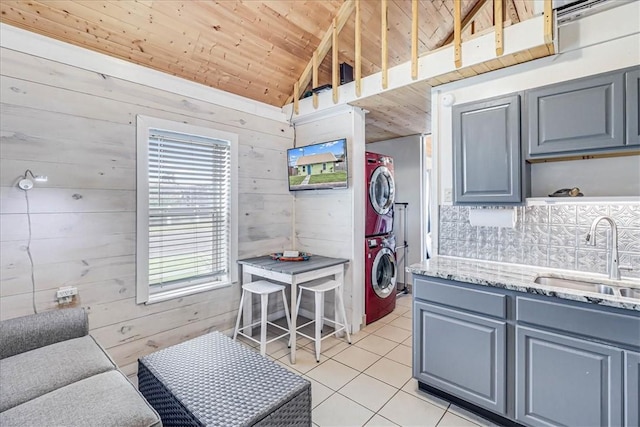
{"x": 264, "y": 289}
{"x": 319, "y": 291}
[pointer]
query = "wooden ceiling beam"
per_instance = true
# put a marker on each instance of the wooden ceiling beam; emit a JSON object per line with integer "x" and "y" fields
{"x": 466, "y": 20}
{"x": 358, "y": 49}
{"x": 325, "y": 44}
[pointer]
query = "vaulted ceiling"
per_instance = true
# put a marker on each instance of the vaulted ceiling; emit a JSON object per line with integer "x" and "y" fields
{"x": 253, "y": 48}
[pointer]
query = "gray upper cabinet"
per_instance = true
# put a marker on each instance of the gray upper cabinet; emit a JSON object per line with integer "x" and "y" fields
{"x": 486, "y": 152}
{"x": 577, "y": 116}
{"x": 461, "y": 353}
{"x": 632, "y": 94}
{"x": 562, "y": 380}
{"x": 632, "y": 388}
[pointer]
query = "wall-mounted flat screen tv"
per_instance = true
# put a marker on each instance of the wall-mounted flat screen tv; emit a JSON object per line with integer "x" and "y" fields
{"x": 318, "y": 166}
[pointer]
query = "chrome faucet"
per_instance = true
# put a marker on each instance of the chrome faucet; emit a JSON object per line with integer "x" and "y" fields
{"x": 614, "y": 271}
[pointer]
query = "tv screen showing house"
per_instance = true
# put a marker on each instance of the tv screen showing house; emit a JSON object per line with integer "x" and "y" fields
{"x": 318, "y": 166}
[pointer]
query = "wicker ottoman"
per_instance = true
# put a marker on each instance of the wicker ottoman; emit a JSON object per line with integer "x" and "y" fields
{"x": 214, "y": 381}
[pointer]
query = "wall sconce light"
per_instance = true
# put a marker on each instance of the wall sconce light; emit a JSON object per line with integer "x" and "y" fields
{"x": 27, "y": 184}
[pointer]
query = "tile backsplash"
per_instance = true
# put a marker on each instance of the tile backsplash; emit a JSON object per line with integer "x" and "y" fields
{"x": 546, "y": 236}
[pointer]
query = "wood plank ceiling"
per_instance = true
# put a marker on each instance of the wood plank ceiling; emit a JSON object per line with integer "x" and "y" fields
{"x": 259, "y": 48}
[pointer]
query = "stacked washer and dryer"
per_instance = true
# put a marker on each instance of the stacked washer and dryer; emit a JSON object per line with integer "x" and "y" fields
{"x": 380, "y": 258}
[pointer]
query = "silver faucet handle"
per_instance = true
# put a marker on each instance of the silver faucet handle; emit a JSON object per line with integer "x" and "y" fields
{"x": 625, "y": 267}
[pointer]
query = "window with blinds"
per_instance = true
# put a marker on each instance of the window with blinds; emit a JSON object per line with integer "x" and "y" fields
{"x": 186, "y": 209}
{"x": 189, "y": 209}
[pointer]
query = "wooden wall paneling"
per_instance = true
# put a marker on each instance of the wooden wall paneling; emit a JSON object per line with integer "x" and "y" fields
{"x": 93, "y": 84}
{"x": 249, "y": 185}
{"x": 154, "y": 323}
{"x": 49, "y": 251}
{"x": 129, "y": 353}
{"x": 32, "y": 122}
{"x": 62, "y": 225}
{"x": 89, "y": 208}
{"x": 23, "y": 146}
{"x": 62, "y": 176}
{"x": 54, "y": 200}
{"x": 79, "y": 272}
{"x": 266, "y": 246}
{"x": 260, "y": 162}
{"x": 21, "y": 304}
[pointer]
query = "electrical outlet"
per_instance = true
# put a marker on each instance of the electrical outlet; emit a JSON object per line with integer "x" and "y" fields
{"x": 448, "y": 195}
{"x": 66, "y": 293}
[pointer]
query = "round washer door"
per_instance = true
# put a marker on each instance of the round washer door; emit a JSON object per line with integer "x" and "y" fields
{"x": 383, "y": 273}
{"x": 382, "y": 190}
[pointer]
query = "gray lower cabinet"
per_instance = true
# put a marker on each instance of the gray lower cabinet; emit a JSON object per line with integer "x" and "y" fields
{"x": 461, "y": 353}
{"x": 576, "y": 116}
{"x": 486, "y": 151}
{"x": 562, "y": 380}
{"x": 632, "y": 94}
{"x": 632, "y": 389}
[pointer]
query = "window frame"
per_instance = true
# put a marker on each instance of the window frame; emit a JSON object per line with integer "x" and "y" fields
{"x": 143, "y": 294}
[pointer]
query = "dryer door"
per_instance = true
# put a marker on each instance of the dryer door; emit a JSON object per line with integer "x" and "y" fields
{"x": 383, "y": 273}
{"x": 382, "y": 190}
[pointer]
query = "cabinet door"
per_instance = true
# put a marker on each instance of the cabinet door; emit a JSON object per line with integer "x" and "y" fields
{"x": 566, "y": 381}
{"x": 632, "y": 389}
{"x": 461, "y": 353}
{"x": 575, "y": 116}
{"x": 486, "y": 151}
{"x": 632, "y": 93}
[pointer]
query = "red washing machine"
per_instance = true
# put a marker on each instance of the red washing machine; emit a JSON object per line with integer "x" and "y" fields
{"x": 380, "y": 277}
{"x": 380, "y": 194}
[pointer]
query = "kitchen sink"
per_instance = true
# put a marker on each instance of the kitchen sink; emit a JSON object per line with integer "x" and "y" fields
{"x": 584, "y": 285}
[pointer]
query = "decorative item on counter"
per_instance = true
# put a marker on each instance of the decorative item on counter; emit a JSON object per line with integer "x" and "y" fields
{"x": 291, "y": 256}
{"x": 567, "y": 192}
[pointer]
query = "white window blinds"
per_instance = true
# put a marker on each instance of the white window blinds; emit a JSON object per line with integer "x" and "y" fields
{"x": 189, "y": 209}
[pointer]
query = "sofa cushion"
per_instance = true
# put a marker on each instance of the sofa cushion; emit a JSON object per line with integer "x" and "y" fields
{"x": 28, "y": 375}
{"x": 38, "y": 330}
{"x": 106, "y": 399}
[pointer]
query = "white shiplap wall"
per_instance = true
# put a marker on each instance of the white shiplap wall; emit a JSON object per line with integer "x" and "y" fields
{"x": 78, "y": 127}
{"x": 331, "y": 222}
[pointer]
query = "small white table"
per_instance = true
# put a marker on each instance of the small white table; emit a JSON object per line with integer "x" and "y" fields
{"x": 291, "y": 273}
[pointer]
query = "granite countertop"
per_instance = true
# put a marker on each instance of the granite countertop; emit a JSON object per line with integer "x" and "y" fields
{"x": 521, "y": 278}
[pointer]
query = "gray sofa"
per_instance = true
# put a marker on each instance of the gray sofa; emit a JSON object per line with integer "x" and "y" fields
{"x": 53, "y": 373}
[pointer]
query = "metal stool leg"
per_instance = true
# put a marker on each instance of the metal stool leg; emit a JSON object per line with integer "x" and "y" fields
{"x": 343, "y": 312}
{"x": 322, "y": 313}
{"x": 319, "y": 298}
{"x": 264, "y": 299}
{"x": 287, "y": 315}
{"x": 235, "y": 332}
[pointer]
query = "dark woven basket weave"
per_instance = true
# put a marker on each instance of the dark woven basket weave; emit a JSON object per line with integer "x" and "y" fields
{"x": 214, "y": 381}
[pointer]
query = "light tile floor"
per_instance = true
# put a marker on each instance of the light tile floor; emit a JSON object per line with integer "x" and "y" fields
{"x": 368, "y": 383}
